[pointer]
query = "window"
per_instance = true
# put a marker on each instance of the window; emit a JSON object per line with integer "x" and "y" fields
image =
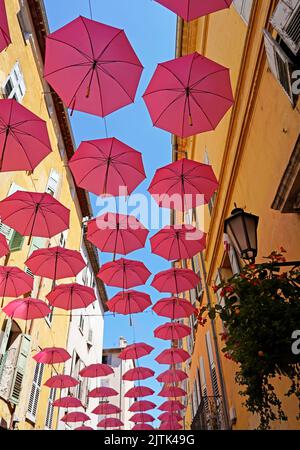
{"x": 213, "y": 373}
{"x": 15, "y": 240}
{"x": 244, "y": 8}
{"x": 212, "y": 201}
{"x": 286, "y": 21}
{"x": 81, "y": 324}
{"x": 36, "y": 243}
{"x": 35, "y": 391}
{"x": 14, "y": 86}
{"x": 52, "y": 184}
{"x": 203, "y": 385}
{"x": 196, "y": 269}
{"x": 50, "y": 409}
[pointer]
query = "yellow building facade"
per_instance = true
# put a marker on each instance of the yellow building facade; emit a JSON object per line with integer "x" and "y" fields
{"x": 255, "y": 154}
{"x": 21, "y": 77}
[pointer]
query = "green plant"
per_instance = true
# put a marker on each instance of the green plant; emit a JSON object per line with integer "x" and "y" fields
{"x": 260, "y": 311}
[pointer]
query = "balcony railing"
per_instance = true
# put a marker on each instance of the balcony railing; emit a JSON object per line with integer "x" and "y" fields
{"x": 210, "y": 415}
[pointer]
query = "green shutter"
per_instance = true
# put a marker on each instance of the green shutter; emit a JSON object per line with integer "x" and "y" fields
{"x": 20, "y": 367}
{"x": 16, "y": 242}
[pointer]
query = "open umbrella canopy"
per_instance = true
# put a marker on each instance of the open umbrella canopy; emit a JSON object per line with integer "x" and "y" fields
{"x": 52, "y": 355}
{"x": 34, "y": 214}
{"x": 136, "y": 351}
{"x": 171, "y": 406}
{"x": 172, "y": 356}
{"x": 107, "y": 166}
{"x": 141, "y": 417}
{"x": 75, "y": 416}
{"x": 172, "y": 376}
{"x": 178, "y": 242}
{"x": 67, "y": 402}
{"x": 4, "y": 247}
{"x": 172, "y": 331}
{"x": 102, "y": 392}
{"x": 84, "y": 428}
{"x": 124, "y": 273}
{"x": 172, "y": 391}
{"x": 4, "y": 30}
{"x": 117, "y": 233}
{"x": 27, "y": 309}
{"x": 192, "y": 9}
{"x": 174, "y": 308}
{"x": 24, "y": 139}
{"x": 138, "y": 373}
{"x": 110, "y": 422}
{"x": 71, "y": 296}
{"x": 96, "y": 370}
{"x": 183, "y": 184}
{"x": 170, "y": 417}
{"x": 141, "y": 405}
{"x": 188, "y": 95}
{"x": 55, "y": 263}
{"x": 175, "y": 280}
{"x": 92, "y": 67}
{"x": 129, "y": 302}
{"x": 139, "y": 391}
{"x": 61, "y": 382}
{"x": 170, "y": 425}
{"x": 142, "y": 426}
{"x": 106, "y": 409}
{"x": 14, "y": 282}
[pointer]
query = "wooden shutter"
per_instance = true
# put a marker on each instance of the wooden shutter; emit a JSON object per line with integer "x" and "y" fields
{"x": 203, "y": 385}
{"x": 213, "y": 372}
{"x": 286, "y": 21}
{"x": 50, "y": 409}
{"x": 15, "y": 240}
{"x": 244, "y": 8}
{"x": 20, "y": 367}
{"x": 5, "y": 336}
{"x": 35, "y": 391}
{"x": 52, "y": 184}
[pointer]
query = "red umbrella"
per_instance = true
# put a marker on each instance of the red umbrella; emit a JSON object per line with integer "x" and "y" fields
{"x": 104, "y": 166}
{"x": 67, "y": 402}
{"x": 172, "y": 331}
{"x": 183, "y": 184}
{"x": 4, "y": 247}
{"x": 172, "y": 356}
{"x": 24, "y": 139}
{"x": 4, "y": 30}
{"x": 124, "y": 273}
{"x": 170, "y": 425}
{"x": 192, "y": 9}
{"x": 141, "y": 405}
{"x": 167, "y": 416}
{"x": 92, "y": 67}
{"x": 175, "y": 280}
{"x": 129, "y": 302}
{"x": 34, "y": 214}
{"x": 136, "y": 351}
{"x": 84, "y": 428}
{"x": 172, "y": 391}
{"x": 52, "y": 355}
{"x": 105, "y": 409}
{"x": 103, "y": 391}
{"x": 174, "y": 308}
{"x": 172, "y": 376}
{"x": 71, "y": 296}
{"x": 189, "y": 95}
{"x": 138, "y": 373}
{"x": 96, "y": 370}
{"x": 171, "y": 406}
{"x": 75, "y": 417}
{"x": 55, "y": 263}
{"x": 117, "y": 233}
{"x": 139, "y": 391}
{"x": 178, "y": 242}
{"x": 14, "y": 282}
{"x": 142, "y": 426}
{"x": 141, "y": 417}
{"x": 27, "y": 309}
{"x": 61, "y": 382}
{"x": 110, "y": 422}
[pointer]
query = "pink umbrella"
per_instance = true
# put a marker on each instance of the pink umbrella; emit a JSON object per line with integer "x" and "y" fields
{"x": 129, "y": 302}
{"x": 105, "y": 409}
{"x": 136, "y": 351}
{"x": 84, "y": 428}
{"x": 14, "y": 282}
{"x": 27, "y": 309}
{"x": 102, "y": 392}
{"x": 117, "y": 233}
{"x": 110, "y": 422}
{"x": 138, "y": 373}
{"x": 67, "y": 402}
{"x": 171, "y": 406}
{"x": 170, "y": 425}
{"x": 168, "y": 417}
{"x": 174, "y": 308}
{"x": 4, "y": 30}
{"x": 172, "y": 376}
{"x": 192, "y": 9}
{"x": 73, "y": 417}
{"x": 141, "y": 417}
{"x": 178, "y": 242}
{"x": 71, "y": 296}
{"x": 141, "y": 405}
{"x": 175, "y": 280}
{"x": 92, "y": 67}
{"x": 61, "y": 382}
{"x": 172, "y": 331}
{"x": 142, "y": 426}
{"x": 34, "y": 214}
{"x": 172, "y": 391}
{"x": 183, "y": 184}
{"x": 4, "y": 247}
{"x": 24, "y": 139}
{"x": 188, "y": 95}
{"x": 172, "y": 356}
{"x": 124, "y": 273}
{"x": 105, "y": 166}
{"x": 52, "y": 355}
{"x": 139, "y": 391}
{"x": 96, "y": 370}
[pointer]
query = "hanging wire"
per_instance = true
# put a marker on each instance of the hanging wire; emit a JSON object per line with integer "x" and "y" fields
{"x": 105, "y": 126}
{"x": 91, "y": 10}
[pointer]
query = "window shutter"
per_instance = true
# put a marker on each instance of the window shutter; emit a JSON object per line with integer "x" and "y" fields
{"x": 50, "y": 409}
{"x": 286, "y": 21}
{"x": 35, "y": 391}
{"x": 6, "y": 231}
{"x": 16, "y": 242}
{"x": 20, "y": 368}
{"x": 5, "y": 336}
{"x": 213, "y": 372}
{"x": 19, "y": 82}
{"x": 52, "y": 183}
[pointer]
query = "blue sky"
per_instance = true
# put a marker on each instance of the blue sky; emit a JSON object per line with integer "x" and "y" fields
{"x": 151, "y": 30}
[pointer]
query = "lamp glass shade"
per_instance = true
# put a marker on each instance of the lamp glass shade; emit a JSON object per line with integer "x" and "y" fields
{"x": 241, "y": 228}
